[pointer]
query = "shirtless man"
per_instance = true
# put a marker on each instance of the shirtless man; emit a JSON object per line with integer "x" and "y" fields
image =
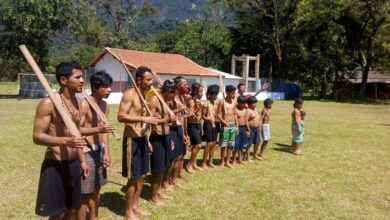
{"x": 209, "y": 125}
{"x": 160, "y": 140}
{"x": 135, "y": 159}
{"x": 227, "y": 116}
{"x": 254, "y": 122}
{"x": 179, "y": 127}
{"x": 296, "y": 127}
{"x": 59, "y": 190}
{"x": 241, "y": 142}
{"x": 97, "y": 152}
{"x": 265, "y": 127}
{"x": 194, "y": 125}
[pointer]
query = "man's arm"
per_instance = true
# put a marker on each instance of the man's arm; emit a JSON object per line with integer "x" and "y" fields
{"x": 102, "y": 128}
{"x": 220, "y": 113}
{"x": 124, "y": 108}
{"x": 41, "y": 127}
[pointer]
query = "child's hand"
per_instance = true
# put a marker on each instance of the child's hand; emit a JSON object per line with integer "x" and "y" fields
{"x": 248, "y": 133}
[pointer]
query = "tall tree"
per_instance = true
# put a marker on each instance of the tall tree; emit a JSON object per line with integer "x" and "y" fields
{"x": 29, "y": 22}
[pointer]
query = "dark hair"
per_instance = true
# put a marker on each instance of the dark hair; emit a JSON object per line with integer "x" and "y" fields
{"x": 297, "y": 102}
{"x": 100, "y": 79}
{"x": 178, "y": 80}
{"x": 168, "y": 86}
{"x": 213, "y": 90}
{"x": 241, "y": 99}
{"x": 195, "y": 89}
{"x": 251, "y": 100}
{"x": 230, "y": 88}
{"x": 65, "y": 69}
{"x": 140, "y": 72}
{"x": 267, "y": 102}
{"x": 239, "y": 85}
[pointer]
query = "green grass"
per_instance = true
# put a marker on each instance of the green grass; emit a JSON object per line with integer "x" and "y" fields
{"x": 343, "y": 174}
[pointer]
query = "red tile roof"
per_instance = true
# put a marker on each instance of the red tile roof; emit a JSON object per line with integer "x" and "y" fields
{"x": 161, "y": 63}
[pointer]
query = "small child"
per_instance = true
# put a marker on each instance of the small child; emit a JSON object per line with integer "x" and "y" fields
{"x": 265, "y": 128}
{"x": 296, "y": 127}
{"x": 254, "y": 123}
{"x": 243, "y": 130}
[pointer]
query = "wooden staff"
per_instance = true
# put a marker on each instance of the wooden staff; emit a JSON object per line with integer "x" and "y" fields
{"x": 99, "y": 112}
{"x": 165, "y": 105}
{"x": 135, "y": 86}
{"x": 74, "y": 131}
{"x": 157, "y": 78}
{"x": 221, "y": 86}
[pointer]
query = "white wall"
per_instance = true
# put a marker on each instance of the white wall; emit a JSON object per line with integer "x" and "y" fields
{"x": 113, "y": 67}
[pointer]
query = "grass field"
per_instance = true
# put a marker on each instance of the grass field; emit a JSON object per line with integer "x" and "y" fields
{"x": 343, "y": 174}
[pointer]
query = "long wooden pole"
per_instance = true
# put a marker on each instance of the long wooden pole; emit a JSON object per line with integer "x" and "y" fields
{"x": 221, "y": 86}
{"x": 165, "y": 105}
{"x": 74, "y": 131}
{"x": 135, "y": 86}
{"x": 99, "y": 112}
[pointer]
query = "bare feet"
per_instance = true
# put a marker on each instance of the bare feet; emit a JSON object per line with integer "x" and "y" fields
{"x": 158, "y": 204}
{"x": 255, "y": 157}
{"x": 189, "y": 168}
{"x": 178, "y": 185}
{"x": 229, "y": 165}
{"x": 297, "y": 153}
{"x": 167, "y": 187}
{"x": 211, "y": 165}
{"x": 197, "y": 168}
{"x": 141, "y": 212}
{"x": 234, "y": 163}
{"x": 250, "y": 160}
{"x": 165, "y": 197}
{"x": 222, "y": 165}
{"x": 131, "y": 217}
{"x": 204, "y": 167}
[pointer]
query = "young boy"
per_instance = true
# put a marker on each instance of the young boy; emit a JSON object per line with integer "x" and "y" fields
{"x": 227, "y": 116}
{"x": 265, "y": 128}
{"x": 296, "y": 128}
{"x": 97, "y": 151}
{"x": 209, "y": 125}
{"x": 254, "y": 122}
{"x": 160, "y": 141}
{"x": 243, "y": 130}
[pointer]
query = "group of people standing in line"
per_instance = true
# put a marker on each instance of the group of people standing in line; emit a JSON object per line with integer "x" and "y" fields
{"x": 156, "y": 133}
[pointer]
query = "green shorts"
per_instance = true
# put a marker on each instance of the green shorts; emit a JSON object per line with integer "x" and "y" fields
{"x": 227, "y": 136}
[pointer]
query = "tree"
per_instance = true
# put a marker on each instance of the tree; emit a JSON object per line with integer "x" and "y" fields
{"x": 31, "y": 23}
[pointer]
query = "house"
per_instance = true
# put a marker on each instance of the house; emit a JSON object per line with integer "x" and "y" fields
{"x": 378, "y": 84}
{"x": 167, "y": 66}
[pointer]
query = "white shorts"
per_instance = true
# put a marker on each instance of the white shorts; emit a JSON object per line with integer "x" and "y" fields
{"x": 266, "y": 131}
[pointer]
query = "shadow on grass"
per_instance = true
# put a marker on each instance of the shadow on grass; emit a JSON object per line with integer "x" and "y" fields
{"x": 114, "y": 201}
{"x": 384, "y": 124}
{"x": 17, "y": 97}
{"x": 282, "y": 148}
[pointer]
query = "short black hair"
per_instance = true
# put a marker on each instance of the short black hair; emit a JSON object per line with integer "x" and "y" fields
{"x": 195, "y": 89}
{"x": 297, "y": 102}
{"x": 100, "y": 79}
{"x": 251, "y": 100}
{"x": 177, "y": 80}
{"x": 213, "y": 90}
{"x": 239, "y": 85}
{"x": 241, "y": 99}
{"x": 140, "y": 72}
{"x": 168, "y": 86}
{"x": 65, "y": 69}
{"x": 267, "y": 102}
{"x": 230, "y": 88}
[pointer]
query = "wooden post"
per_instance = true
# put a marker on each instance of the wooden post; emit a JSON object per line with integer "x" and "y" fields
{"x": 233, "y": 70}
{"x": 246, "y": 63}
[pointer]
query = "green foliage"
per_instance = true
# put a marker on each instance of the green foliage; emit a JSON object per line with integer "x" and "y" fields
{"x": 205, "y": 41}
{"x": 29, "y": 22}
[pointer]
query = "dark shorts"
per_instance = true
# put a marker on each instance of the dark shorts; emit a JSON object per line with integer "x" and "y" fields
{"x": 135, "y": 157}
{"x": 254, "y": 137}
{"x": 97, "y": 173}
{"x": 209, "y": 132}
{"x": 59, "y": 187}
{"x": 194, "y": 132}
{"x": 176, "y": 134}
{"x": 218, "y": 128}
{"x": 241, "y": 139}
{"x": 159, "y": 158}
